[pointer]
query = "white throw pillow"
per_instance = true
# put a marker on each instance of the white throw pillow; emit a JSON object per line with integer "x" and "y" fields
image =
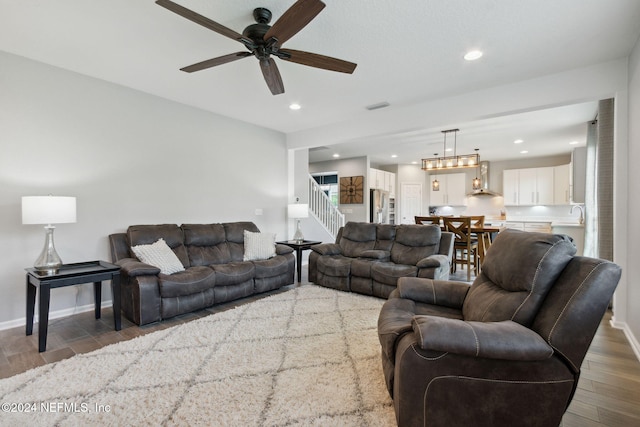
{"x": 160, "y": 255}
{"x": 259, "y": 246}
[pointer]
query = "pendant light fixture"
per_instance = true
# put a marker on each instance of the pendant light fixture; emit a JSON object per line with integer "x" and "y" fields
{"x": 435, "y": 184}
{"x": 476, "y": 183}
{"x": 451, "y": 162}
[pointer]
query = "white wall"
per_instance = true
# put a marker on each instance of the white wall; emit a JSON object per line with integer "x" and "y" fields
{"x": 629, "y": 303}
{"x": 129, "y": 158}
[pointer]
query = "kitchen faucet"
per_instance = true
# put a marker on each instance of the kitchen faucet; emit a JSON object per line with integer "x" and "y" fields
{"x": 581, "y": 219}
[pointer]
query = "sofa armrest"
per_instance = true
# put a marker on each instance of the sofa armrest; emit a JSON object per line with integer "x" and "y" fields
{"x": 132, "y": 268}
{"x": 433, "y": 261}
{"x": 283, "y": 249}
{"x": 447, "y": 239}
{"x": 376, "y": 254}
{"x": 505, "y": 340}
{"x": 438, "y": 292}
{"x": 327, "y": 249}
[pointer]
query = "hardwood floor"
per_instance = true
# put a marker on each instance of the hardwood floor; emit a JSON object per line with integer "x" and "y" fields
{"x": 608, "y": 392}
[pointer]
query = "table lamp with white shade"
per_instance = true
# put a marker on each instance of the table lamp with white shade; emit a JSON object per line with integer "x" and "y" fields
{"x": 48, "y": 210}
{"x": 297, "y": 211}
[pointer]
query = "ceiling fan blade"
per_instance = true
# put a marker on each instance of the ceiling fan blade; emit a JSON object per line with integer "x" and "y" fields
{"x": 202, "y": 20}
{"x": 294, "y": 19}
{"x": 215, "y": 61}
{"x": 272, "y": 75}
{"x": 318, "y": 61}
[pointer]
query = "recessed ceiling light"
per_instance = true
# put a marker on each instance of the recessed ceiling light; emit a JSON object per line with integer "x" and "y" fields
{"x": 472, "y": 55}
{"x": 294, "y": 106}
{"x": 573, "y": 143}
{"x": 393, "y": 156}
{"x": 414, "y": 163}
{"x": 524, "y": 152}
{"x": 448, "y": 149}
{"x": 518, "y": 141}
{"x": 336, "y": 155}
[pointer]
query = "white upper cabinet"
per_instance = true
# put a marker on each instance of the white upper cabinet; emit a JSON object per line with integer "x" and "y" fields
{"x": 452, "y": 190}
{"x": 382, "y": 180}
{"x": 529, "y": 187}
{"x": 510, "y": 178}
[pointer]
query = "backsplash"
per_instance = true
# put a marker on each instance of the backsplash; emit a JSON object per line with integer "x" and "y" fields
{"x": 492, "y": 207}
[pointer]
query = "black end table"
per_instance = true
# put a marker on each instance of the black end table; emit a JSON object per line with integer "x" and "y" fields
{"x": 70, "y": 274}
{"x": 299, "y": 247}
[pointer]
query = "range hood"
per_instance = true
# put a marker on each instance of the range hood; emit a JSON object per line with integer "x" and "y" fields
{"x": 484, "y": 182}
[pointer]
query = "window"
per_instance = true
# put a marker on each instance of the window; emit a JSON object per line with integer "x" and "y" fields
{"x": 328, "y": 181}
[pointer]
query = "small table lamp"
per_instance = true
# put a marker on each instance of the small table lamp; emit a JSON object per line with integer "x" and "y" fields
{"x": 48, "y": 210}
{"x": 297, "y": 211}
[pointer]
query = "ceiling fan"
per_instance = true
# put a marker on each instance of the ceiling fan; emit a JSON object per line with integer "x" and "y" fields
{"x": 263, "y": 41}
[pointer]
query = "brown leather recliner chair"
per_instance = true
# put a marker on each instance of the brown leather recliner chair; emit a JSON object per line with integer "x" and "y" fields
{"x": 505, "y": 351}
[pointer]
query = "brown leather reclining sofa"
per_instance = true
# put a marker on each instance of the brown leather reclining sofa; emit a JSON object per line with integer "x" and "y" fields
{"x": 505, "y": 351}
{"x": 212, "y": 255}
{"x": 370, "y": 258}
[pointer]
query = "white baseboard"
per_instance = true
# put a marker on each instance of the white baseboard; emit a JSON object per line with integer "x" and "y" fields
{"x": 633, "y": 342}
{"x": 52, "y": 315}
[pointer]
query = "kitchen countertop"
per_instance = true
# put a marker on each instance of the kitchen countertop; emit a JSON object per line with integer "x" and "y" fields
{"x": 555, "y": 222}
{"x": 566, "y": 224}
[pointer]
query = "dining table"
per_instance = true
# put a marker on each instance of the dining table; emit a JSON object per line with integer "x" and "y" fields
{"x": 482, "y": 232}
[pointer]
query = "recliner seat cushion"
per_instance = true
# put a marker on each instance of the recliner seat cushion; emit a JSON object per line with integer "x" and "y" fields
{"x": 415, "y": 242}
{"x": 233, "y": 273}
{"x": 335, "y": 265}
{"x": 271, "y": 267}
{"x": 514, "y": 283}
{"x": 362, "y": 267}
{"x": 190, "y": 281}
{"x": 388, "y": 272}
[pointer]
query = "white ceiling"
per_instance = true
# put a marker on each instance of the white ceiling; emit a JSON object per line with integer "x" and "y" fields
{"x": 406, "y": 51}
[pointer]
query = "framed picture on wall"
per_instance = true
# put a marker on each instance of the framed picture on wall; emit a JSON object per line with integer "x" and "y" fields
{"x": 351, "y": 189}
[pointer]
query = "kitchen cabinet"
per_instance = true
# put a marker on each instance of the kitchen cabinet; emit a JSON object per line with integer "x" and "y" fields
{"x": 382, "y": 180}
{"x": 510, "y": 186}
{"x": 514, "y": 225}
{"x": 537, "y": 226}
{"x": 528, "y": 187}
{"x": 390, "y": 182}
{"x": 452, "y": 190}
{"x": 562, "y": 185}
{"x": 535, "y": 186}
{"x": 575, "y": 231}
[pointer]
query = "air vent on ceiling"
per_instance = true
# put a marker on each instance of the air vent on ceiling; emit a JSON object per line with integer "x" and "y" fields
{"x": 321, "y": 148}
{"x": 377, "y": 106}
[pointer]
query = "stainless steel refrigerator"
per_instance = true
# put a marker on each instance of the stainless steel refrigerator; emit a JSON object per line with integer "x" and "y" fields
{"x": 379, "y": 207}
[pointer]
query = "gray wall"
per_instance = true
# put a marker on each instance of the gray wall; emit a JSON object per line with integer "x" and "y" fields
{"x": 129, "y": 158}
{"x": 357, "y": 166}
{"x": 631, "y": 300}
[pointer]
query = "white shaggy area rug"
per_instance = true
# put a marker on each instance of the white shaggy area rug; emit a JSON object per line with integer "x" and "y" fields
{"x": 306, "y": 357}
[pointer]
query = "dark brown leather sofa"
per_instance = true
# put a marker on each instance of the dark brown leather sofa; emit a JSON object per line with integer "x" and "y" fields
{"x": 215, "y": 272}
{"x": 370, "y": 258}
{"x": 505, "y": 351}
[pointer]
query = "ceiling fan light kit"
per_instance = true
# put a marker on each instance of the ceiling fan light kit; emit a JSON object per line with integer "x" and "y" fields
{"x": 264, "y": 41}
